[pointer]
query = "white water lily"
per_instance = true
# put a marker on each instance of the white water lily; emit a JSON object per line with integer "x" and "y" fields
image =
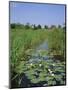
{"x": 31, "y": 64}
{"x": 40, "y": 65}
{"x": 49, "y": 70}
{"x": 53, "y": 64}
{"x": 52, "y": 74}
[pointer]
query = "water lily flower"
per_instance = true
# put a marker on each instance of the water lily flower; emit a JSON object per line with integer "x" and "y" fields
{"x": 50, "y": 71}
{"x": 53, "y": 64}
{"x": 31, "y": 64}
{"x": 40, "y": 65}
{"x": 52, "y": 74}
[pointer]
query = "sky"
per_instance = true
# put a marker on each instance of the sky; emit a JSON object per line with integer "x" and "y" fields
{"x": 37, "y": 13}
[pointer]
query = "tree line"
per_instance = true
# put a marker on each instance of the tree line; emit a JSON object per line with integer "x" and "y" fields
{"x": 35, "y": 27}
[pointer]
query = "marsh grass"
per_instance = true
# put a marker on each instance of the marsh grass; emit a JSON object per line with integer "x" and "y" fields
{"x": 23, "y": 42}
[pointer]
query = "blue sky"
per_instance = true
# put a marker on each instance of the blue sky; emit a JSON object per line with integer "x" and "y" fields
{"x": 34, "y": 13}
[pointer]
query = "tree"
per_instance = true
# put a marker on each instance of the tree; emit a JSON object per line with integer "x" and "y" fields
{"x": 64, "y": 26}
{"x": 27, "y": 26}
{"x": 53, "y": 26}
{"x": 39, "y": 26}
{"x": 46, "y": 27}
{"x": 13, "y": 25}
{"x": 16, "y": 25}
{"x": 35, "y": 27}
{"x": 59, "y": 26}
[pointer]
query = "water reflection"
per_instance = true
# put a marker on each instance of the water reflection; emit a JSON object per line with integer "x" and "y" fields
{"x": 40, "y": 53}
